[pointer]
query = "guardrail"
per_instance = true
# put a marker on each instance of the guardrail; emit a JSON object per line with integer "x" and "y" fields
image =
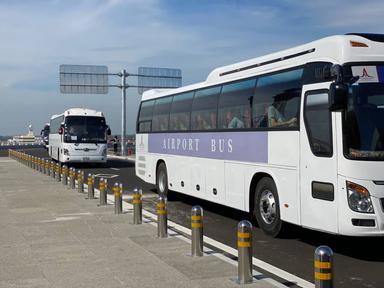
{"x": 323, "y": 255}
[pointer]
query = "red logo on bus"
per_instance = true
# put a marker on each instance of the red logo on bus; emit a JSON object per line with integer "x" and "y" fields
{"x": 365, "y": 74}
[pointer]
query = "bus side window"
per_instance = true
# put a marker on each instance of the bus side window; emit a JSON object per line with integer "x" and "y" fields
{"x": 160, "y": 119}
{"x": 145, "y": 126}
{"x": 180, "y": 112}
{"x": 318, "y": 123}
{"x": 145, "y": 116}
{"x": 277, "y": 100}
{"x": 235, "y": 104}
{"x": 204, "y": 109}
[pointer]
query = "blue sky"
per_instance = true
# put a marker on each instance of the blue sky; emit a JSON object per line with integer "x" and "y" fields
{"x": 195, "y": 36}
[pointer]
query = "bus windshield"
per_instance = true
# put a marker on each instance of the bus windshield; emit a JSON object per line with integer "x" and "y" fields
{"x": 363, "y": 131}
{"x": 45, "y": 131}
{"x": 85, "y": 129}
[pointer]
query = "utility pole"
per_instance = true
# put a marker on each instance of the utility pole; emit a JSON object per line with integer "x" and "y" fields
{"x": 123, "y": 76}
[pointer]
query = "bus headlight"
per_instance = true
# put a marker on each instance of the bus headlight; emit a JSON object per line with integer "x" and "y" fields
{"x": 66, "y": 152}
{"x": 359, "y": 199}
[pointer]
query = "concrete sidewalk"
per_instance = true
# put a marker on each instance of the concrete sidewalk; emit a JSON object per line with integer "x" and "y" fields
{"x": 52, "y": 237}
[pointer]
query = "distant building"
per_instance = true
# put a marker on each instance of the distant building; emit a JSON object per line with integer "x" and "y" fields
{"x": 29, "y": 139}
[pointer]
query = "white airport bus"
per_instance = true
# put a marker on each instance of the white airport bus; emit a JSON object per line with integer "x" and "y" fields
{"x": 295, "y": 136}
{"x": 78, "y": 135}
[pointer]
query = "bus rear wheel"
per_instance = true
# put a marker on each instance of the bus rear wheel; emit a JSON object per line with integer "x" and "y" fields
{"x": 162, "y": 179}
{"x": 266, "y": 207}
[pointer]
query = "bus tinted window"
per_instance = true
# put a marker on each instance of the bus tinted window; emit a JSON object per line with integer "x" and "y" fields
{"x": 318, "y": 123}
{"x": 160, "y": 119}
{"x": 204, "y": 109}
{"x": 55, "y": 124}
{"x": 235, "y": 104}
{"x": 276, "y": 103}
{"x": 180, "y": 112}
{"x": 85, "y": 129}
{"x": 145, "y": 116}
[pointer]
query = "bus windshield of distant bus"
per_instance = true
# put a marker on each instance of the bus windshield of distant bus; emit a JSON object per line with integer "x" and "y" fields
{"x": 85, "y": 129}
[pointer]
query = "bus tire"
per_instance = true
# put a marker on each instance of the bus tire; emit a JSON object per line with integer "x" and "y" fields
{"x": 162, "y": 179}
{"x": 266, "y": 208}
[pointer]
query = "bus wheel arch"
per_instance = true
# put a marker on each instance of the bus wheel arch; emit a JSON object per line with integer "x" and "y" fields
{"x": 264, "y": 204}
{"x": 161, "y": 178}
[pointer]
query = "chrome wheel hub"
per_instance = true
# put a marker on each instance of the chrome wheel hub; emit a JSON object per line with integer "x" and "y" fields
{"x": 162, "y": 181}
{"x": 267, "y": 206}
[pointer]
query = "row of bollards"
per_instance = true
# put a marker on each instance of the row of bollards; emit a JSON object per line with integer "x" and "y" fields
{"x": 323, "y": 258}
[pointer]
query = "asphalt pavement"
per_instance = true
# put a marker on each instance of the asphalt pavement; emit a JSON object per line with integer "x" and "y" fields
{"x": 359, "y": 261}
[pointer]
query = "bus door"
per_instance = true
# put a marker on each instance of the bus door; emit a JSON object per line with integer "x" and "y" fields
{"x": 318, "y": 164}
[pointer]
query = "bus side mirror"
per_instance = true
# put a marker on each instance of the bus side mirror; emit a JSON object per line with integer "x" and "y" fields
{"x": 108, "y": 131}
{"x": 338, "y": 94}
{"x": 338, "y": 91}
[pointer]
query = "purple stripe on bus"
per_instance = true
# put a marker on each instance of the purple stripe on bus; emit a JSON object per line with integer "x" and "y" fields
{"x": 238, "y": 146}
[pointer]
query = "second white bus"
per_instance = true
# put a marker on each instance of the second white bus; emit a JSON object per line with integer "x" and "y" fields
{"x": 295, "y": 136}
{"x": 78, "y": 135}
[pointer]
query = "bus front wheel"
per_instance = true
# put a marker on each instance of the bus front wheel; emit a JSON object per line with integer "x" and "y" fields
{"x": 266, "y": 207}
{"x": 162, "y": 179}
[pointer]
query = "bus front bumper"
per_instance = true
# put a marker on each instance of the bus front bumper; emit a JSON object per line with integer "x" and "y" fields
{"x": 84, "y": 159}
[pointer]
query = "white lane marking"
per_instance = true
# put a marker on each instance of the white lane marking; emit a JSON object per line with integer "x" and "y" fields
{"x": 78, "y": 214}
{"x": 106, "y": 175}
{"x": 257, "y": 262}
{"x": 60, "y": 219}
{"x": 116, "y": 169}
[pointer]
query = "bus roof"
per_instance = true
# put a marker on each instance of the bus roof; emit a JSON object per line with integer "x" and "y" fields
{"x": 79, "y": 112}
{"x": 338, "y": 49}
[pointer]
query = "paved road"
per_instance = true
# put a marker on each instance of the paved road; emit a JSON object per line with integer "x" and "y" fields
{"x": 359, "y": 262}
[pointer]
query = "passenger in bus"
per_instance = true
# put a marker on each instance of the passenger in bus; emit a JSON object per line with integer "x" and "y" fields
{"x": 201, "y": 124}
{"x": 247, "y": 118}
{"x": 212, "y": 118}
{"x": 233, "y": 121}
{"x": 182, "y": 122}
{"x": 276, "y": 119}
{"x": 163, "y": 123}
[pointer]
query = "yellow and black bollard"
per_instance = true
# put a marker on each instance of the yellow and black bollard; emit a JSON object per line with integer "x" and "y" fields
{"x": 162, "y": 221}
{"x": 117, "y": 192}
{"x": 52, "y": 169}
{"x": 323, "y": 267}
{"x": 64, "y": 175}
{"x": 72, "y": 178}
{"x": 244, "y": 248}
{"x": 91, "y": 186}
{"x": 197, "y": 231}
{"x": 103, "y": 192}
{"x": 47, "y": 170}
{"x": 80, "y": 181}
{"x": 58, "y": 172}
{"x": 137, "y": 206}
